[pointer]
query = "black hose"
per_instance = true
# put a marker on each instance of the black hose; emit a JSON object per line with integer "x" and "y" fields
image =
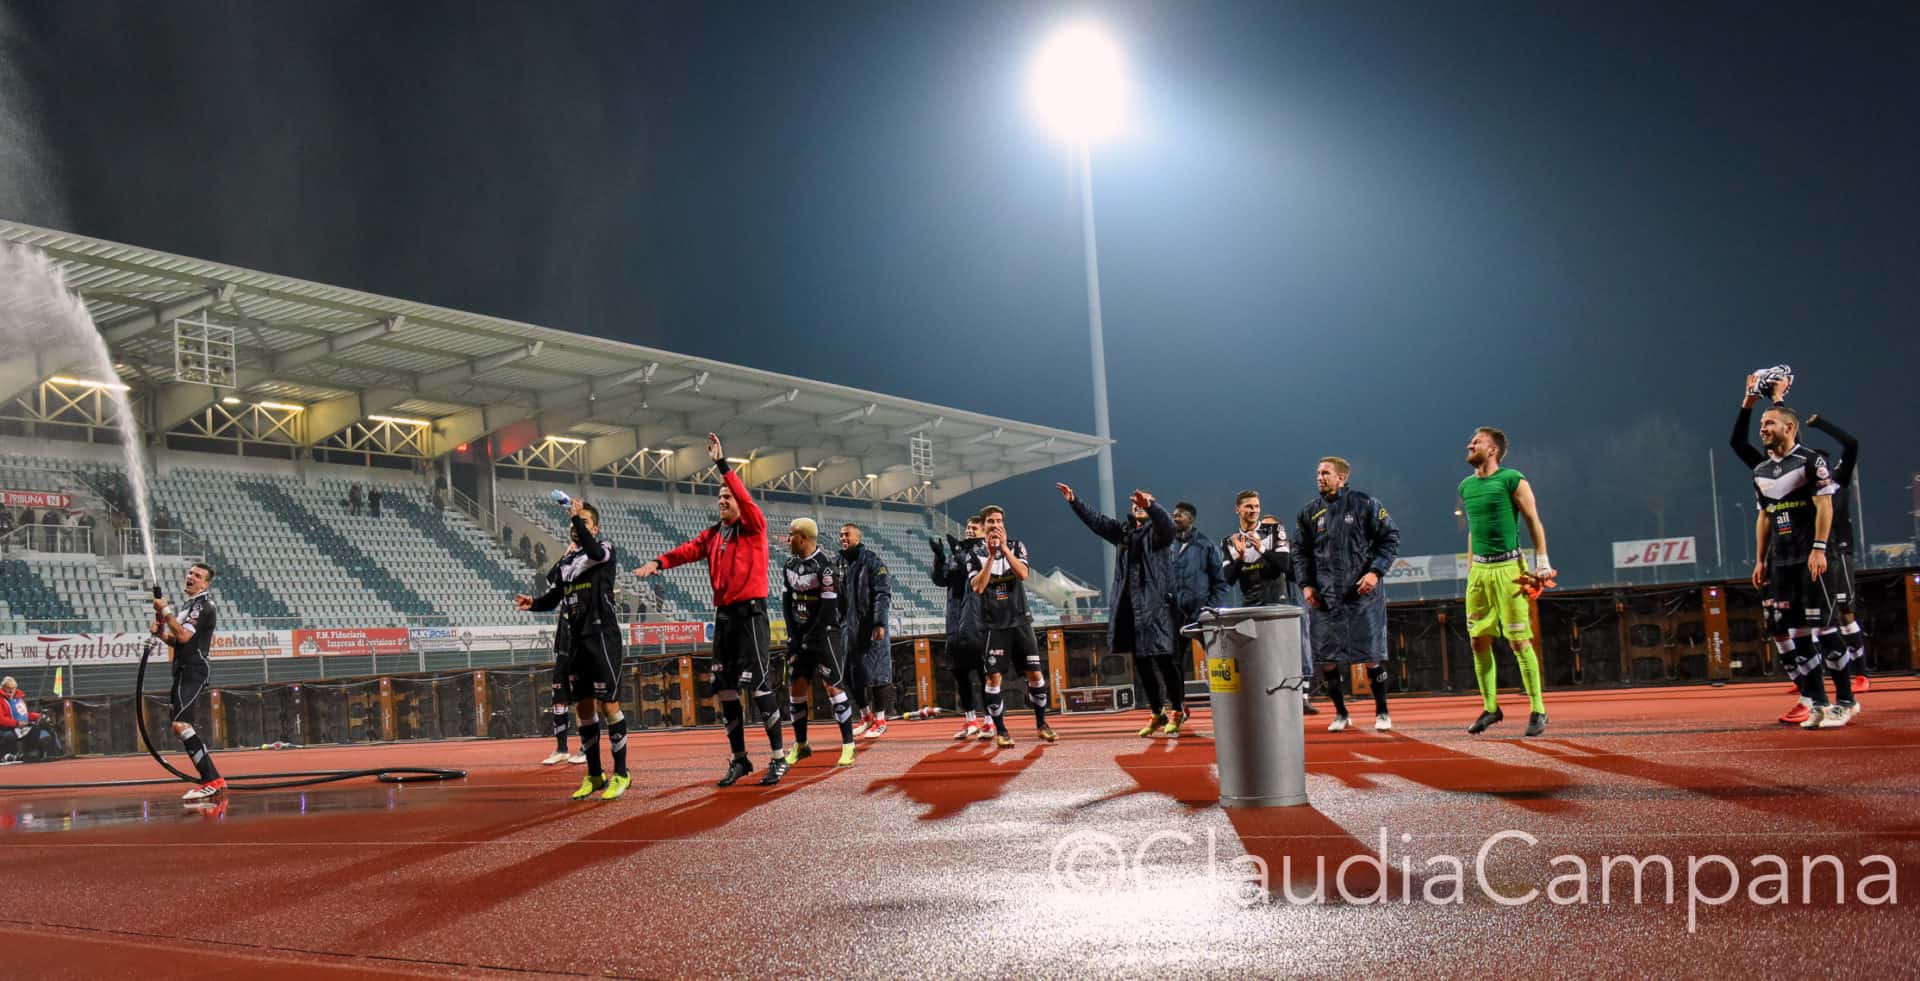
{"x": 250, "y": 781}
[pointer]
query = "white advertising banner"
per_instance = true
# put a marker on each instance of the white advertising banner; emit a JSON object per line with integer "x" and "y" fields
{"x": 515, "y": 637}
{"x": 1421, "y": 568}
{"x": 1654, "y": 551}
{"x": 124, "y": 648}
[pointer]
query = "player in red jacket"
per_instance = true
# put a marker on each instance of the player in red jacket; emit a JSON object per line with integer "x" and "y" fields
{"x": 735, "y": 550}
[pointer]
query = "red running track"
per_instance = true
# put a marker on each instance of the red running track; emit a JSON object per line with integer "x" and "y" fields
{"x": 1103, "y": 854}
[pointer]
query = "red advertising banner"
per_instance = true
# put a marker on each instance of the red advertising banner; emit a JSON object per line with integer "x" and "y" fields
{"x": 655, "y": 634}
{"x": 35, "y": 499}
{"x": 365, "y": 640}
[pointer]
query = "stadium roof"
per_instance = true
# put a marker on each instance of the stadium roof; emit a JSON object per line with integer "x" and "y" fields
{"x": 344, "y": 356}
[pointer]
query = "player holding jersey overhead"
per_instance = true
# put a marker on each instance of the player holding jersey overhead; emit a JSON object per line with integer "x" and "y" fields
{"x": 1494, "y": 499}
{"x": 1795, "y": 490}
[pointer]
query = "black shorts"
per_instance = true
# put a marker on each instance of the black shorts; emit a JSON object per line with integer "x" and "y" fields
{"x": 1012, "y": 649}
{"x": 742, "y": 643}
{"x": 822, "y": 658}
{"x": 595, "y": 667}
{"x": 1798, "y": 601}
{"x": 189, "y": 686}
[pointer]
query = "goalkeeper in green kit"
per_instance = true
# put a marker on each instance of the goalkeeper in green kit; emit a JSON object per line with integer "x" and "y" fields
{"x": 1494, "y": 498}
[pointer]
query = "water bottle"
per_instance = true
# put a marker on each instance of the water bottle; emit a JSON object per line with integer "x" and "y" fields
{"x": 560, "y": 497}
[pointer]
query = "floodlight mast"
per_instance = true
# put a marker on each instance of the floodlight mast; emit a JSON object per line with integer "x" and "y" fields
{"x": 1080, "y": 93}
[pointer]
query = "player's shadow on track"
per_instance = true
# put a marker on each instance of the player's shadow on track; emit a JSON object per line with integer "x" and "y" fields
{"x": 277, "y": 895}
{"x": 1357, "y": 760}
{"x": 949, "y": 780}
{"x": 1179, "y": 769}
{"x": 447, "y": 903}
{"x": 1183, "y": 771}
{"x": 1715, "y": 781}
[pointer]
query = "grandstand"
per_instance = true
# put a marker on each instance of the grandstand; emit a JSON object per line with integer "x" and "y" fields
{"x": 266, "y": 398}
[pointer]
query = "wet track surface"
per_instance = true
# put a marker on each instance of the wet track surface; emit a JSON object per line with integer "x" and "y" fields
{"x": 1103, "y": 854}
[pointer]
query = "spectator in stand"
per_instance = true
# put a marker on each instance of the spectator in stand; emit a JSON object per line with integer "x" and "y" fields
{"x": 440, "y": 497}
{"x": 6, "y": 525}
{"x": 21, "y": 730}
{"x": 373, "y": 501}
{"x": 526, "y": 549}
{"x": 539, "y": 555}
{"x": 353, "y": 499}
{"x": 506, "y": 537}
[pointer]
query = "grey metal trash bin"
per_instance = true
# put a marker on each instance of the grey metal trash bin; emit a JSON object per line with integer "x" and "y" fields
{"x": 1254, "y": 680}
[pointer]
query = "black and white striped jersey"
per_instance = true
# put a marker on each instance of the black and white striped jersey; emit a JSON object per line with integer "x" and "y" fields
{"x": 812, "y": 595}
{"x": 1785, "y": 488}
{"x": 197, "y": 616}
{"x": 1004, "y": 603}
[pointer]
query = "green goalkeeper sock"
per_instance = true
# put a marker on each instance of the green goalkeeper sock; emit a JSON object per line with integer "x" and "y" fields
{"x": 1530, "y": 676}
{"x": 1483, "y": 672}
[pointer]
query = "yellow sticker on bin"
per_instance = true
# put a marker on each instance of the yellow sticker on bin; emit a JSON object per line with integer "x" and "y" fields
{"x": 1223, "y": 675}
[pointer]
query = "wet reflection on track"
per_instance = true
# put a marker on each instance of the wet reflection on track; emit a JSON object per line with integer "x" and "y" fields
{"x": 70, "y": 813}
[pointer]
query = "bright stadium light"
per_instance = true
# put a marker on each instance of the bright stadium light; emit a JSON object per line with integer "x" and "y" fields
{"x": 1079, "y": 90}
{"x": 1080, "y": 84}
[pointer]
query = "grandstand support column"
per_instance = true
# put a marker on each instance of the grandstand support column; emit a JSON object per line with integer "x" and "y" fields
{"x": 487, "y": 490}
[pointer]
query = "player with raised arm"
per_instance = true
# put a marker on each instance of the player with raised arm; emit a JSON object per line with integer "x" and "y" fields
{"x": 582, "y": 589}
{"x": 1795, "y": 489}
{"x": 735, "y": 551}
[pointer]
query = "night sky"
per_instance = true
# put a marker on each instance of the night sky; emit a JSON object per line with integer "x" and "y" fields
{"x": 1359, "y": 229}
